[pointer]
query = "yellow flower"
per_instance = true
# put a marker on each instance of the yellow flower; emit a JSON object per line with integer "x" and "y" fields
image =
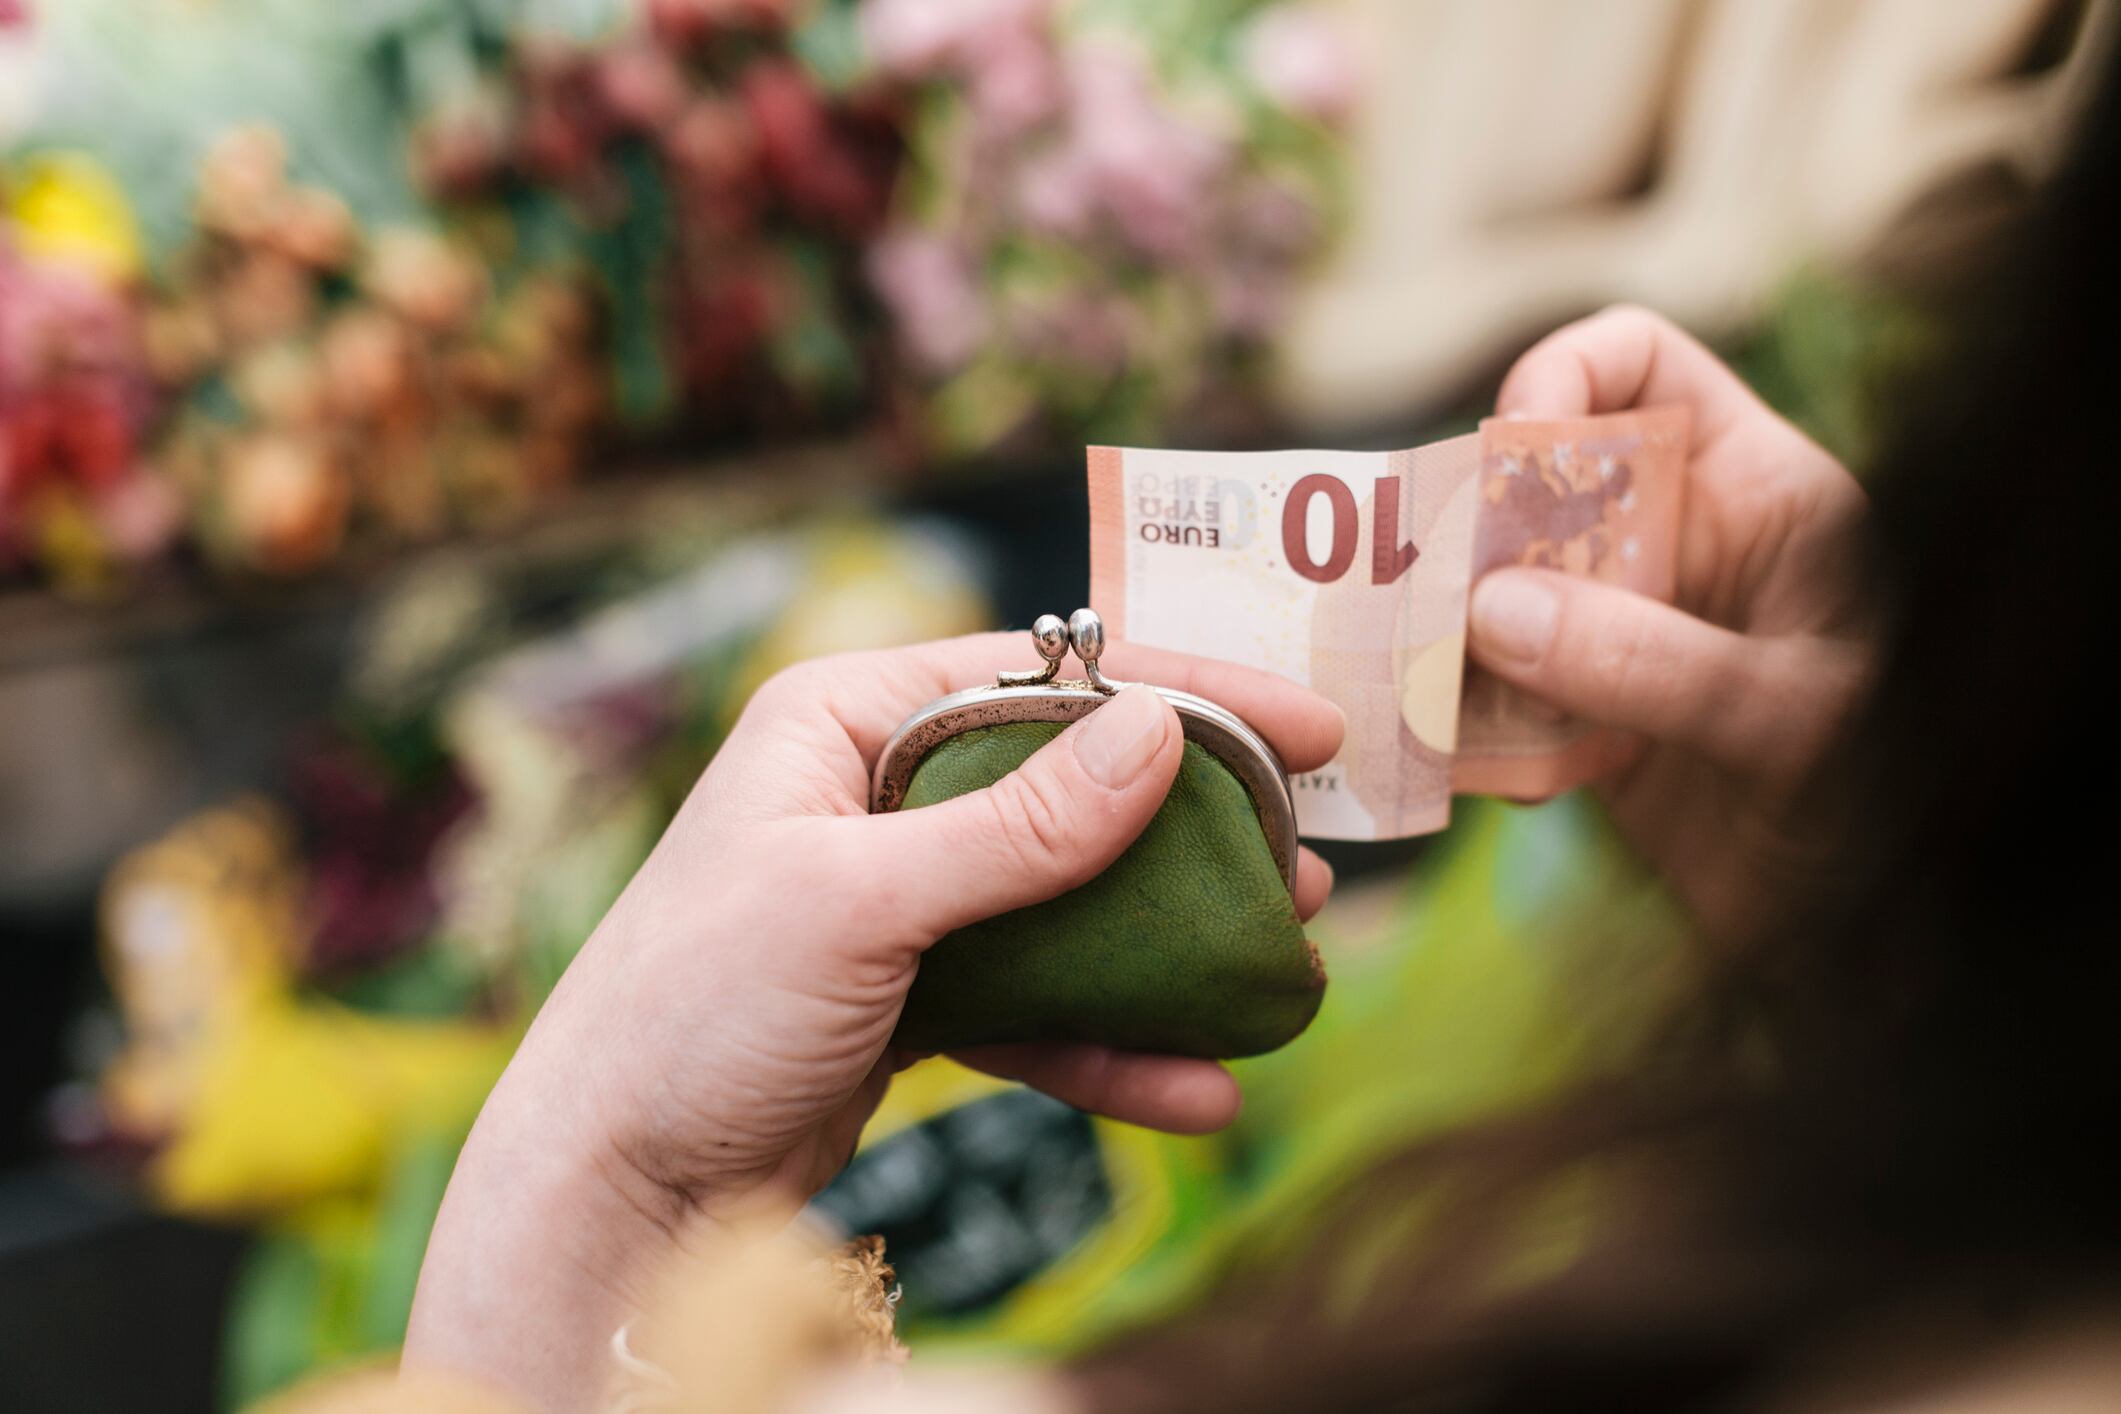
{"x": 63, "y": 206}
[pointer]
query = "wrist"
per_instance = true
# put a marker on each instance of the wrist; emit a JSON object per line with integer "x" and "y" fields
{"x": 540, "y": 1248}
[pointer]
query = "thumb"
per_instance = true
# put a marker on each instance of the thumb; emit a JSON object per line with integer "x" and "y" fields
{"x": 1053, "y": 823}
{"x": 1619, "y": 659}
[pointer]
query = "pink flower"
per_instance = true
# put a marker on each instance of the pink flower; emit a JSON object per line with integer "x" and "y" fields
{"x": 1301, "y": 61}
{"x": 714, "y": 147}
{"x": 1274, "y": 221}
{"x": 1247, "y": 303}
{"x": 73, "y": 383}
{"x": 922, "y": 38}
{"x": 140, "y": 516}
{"x": 1153, "y": 172}
{"x": 57, "y": 319}
{"x": 641, "y": 85}
{"x": 1056, "y": 195}
{"x": 1013, "y": 79}
{"x": 1092, "y": 332}
{"x": 22, "y": 81}
{"x": 934, "y": 298}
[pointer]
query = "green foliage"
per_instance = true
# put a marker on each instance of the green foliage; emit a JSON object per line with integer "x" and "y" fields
{"x": 829, "y": 42}
{"x": 1828, "y": 349}
{"x": 337, "y": 1288}
{"x": 631, "y": 258}
{"x": 147, "y": 87}
{"x": 431, "y": 982}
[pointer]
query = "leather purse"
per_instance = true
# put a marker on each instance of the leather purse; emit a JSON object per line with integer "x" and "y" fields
{"x": 1188, "y": 944}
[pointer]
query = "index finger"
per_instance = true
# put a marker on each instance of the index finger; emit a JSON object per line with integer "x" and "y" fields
{"x": 873, "y": 692}
{"x": 1627, "y": 357}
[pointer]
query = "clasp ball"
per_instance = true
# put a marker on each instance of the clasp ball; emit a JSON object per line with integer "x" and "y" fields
{"x": 1051, "y": 635}
{"x": 1087, "y": 632}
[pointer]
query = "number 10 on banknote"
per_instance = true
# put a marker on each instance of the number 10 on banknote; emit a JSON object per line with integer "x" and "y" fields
{"x": 1350, "y": 571}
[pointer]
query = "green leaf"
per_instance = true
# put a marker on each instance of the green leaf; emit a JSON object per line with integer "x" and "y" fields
{"x": 270, "y": 1340}
{"x": 829, "y": 43}
{"x": 406, "y": 1210}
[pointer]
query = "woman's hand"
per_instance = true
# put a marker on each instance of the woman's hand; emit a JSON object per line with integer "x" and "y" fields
{"x": 1730, "y": 694}
{"x": 722, "y": 1038}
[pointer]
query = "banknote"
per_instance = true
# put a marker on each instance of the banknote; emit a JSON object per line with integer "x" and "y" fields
{"x": 1346, "y": 571}
{"x": 1592, "y": 496}
{"x": 1349, "y": 572}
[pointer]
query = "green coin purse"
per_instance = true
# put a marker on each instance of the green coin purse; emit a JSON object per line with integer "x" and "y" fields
{"x": 1188, "y": 944}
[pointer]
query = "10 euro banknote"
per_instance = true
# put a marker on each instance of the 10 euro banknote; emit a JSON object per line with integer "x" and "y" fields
{"x": 1350, "y": 572}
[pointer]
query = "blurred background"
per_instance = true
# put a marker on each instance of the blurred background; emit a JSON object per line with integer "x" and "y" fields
{"x": 422, "y": 424}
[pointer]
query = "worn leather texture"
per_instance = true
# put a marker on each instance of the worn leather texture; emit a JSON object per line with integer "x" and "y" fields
{"x": 1187, "y": 945}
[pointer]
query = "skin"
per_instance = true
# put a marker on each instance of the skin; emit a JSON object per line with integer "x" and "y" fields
{"x": 721, "y": 1039}
{"x": 1729, "y": 694}
{"x": 717, "y": 1045}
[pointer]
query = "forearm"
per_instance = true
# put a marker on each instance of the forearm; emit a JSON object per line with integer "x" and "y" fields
{"x": 535, "y": 1256}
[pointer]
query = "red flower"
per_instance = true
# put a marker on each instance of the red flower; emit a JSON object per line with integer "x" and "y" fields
{"x": 640, "y": 85}
{"x": 79, "y": 435}
{"x": 565, "y": 120}
{"x": 722, "y": 323}
{"x": 374, "y": 832}
{"x": 808, "y": 156}
{"x": 714, "y": 157}
{"x": 688, "y": 24}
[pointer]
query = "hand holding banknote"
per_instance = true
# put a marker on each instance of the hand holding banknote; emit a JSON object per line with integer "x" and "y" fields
{"x": 1661, "y": 608}
{"x": 1727, "y": 694}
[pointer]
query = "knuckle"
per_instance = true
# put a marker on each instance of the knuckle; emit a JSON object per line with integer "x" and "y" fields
{"x": 796, "y": 682}
{"x": 1787, "y": 705}
{"x": 1724, "y": 703}
{"x": 1619, "y": 661}
{"x": 1090, "y": 1077}
{"x": 1626, "y": 314}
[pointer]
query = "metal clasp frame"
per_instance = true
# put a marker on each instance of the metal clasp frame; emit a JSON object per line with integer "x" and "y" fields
{"x": 1084, "y": 632}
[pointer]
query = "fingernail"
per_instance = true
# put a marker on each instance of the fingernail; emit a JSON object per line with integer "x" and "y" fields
{"x": 1119, "y": 740}
{"x": 1513, "y": 617}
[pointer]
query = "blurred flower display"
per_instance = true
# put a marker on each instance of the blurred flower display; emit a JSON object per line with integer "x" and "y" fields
{"x": 376, "y": 818}
{"x": 709, "y": 185}
{"x": 252, "y": 1095}
{"x": 17, "y": 67}
{"x": 75, "y": 396}
{"x": 704, "y": 224}
{"x": 1107, "y": 207}
{"x": 330, "y": 381}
